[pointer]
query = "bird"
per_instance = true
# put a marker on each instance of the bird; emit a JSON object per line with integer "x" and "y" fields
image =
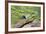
{"x": 23, "y": 17}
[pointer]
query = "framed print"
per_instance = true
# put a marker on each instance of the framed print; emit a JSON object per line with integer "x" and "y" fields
{"x": 23, "y": 16}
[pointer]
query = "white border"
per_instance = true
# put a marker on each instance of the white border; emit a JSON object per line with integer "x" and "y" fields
{"x": 21, "y": 29}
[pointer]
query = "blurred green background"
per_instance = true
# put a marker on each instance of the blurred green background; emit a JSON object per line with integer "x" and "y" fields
{"x": 29, "y": 11}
